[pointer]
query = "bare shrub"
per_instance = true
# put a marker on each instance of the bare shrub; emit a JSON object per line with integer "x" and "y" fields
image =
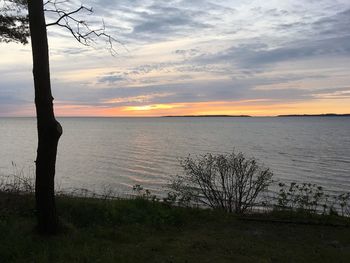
{"x": 19, "y": 181}
{"x": 230, "y": 182}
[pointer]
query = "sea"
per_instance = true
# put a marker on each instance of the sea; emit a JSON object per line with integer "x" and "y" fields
{"x": 117, "y": 153}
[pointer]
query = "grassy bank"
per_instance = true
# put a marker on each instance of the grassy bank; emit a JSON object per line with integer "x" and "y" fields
{"x": 142, "y": 231}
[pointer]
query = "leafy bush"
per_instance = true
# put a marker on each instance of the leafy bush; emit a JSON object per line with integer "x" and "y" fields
{"x": 305, "y": 196}
{"x": 311, "y": 198}
{"x": 230, "y": 182}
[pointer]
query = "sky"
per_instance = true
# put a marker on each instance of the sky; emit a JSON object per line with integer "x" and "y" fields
{"x": 193, "y": 57}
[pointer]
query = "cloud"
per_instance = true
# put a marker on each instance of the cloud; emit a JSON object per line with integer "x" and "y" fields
{"x": 198, "y": 51}
{"x": 337, "y": 24}
{"x": 140, "y": 99}
{"x": 259, "y": 54}
{"x": 113, "y": 78}
{"x": 165, "y": 21}
{"x": 334, "y": 93}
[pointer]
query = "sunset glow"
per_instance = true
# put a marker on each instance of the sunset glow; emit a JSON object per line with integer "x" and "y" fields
{"x": 208, "y": 108}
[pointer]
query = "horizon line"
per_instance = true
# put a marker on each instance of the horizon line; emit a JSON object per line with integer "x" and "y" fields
{"x": 198, "y": 116}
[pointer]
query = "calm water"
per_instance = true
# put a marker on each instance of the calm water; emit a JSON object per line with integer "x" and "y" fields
{"x": 119, "y": 152}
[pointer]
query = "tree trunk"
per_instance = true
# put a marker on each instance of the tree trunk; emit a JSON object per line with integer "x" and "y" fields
{"x": 49, "y": 130}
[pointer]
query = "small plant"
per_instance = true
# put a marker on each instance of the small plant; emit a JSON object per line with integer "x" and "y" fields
{"x": 170, "y": 199}
{"x": 174, "y": 198}
{"x": 344, "y": 202}
{"x": 230, "y": 182}
{"x": 18, "y": 182}
{"x": 108, "y": 193}
{"x": 304, "y": 196}
{"x": 144, "y": 193}
{"x": 311, "y": 198}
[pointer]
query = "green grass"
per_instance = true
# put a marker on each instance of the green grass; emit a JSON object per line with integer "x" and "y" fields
{"x": 142, "y": 231}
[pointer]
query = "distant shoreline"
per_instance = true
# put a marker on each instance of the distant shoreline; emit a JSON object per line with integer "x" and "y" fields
{"x": 199, "y": 116}
{"x": 245, "y": 116}
{"x": 315, "y": 115}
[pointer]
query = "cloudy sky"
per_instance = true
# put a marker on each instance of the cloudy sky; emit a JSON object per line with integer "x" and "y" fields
{"x": 193, "y": 57}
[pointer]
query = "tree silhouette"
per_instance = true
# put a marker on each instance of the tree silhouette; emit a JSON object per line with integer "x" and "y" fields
{"x": 14, "y": 27}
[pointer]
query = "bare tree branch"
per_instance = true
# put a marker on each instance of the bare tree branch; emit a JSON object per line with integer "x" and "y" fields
{"x": 79, "y": 29}
{"x": 64, "y": 15}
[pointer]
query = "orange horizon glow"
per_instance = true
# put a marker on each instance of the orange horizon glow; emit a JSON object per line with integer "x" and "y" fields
{"x": 244, "y": 107}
